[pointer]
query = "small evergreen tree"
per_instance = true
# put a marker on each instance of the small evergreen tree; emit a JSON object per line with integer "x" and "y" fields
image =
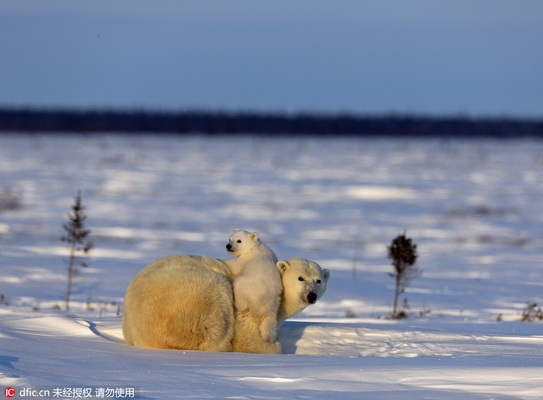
{"x": 403, "y": 253}
{"x": 78, "y": 242}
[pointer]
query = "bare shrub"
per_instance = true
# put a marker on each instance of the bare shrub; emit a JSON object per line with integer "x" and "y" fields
{"x": 9, "y": 200}
{"x": 532, "y": 313}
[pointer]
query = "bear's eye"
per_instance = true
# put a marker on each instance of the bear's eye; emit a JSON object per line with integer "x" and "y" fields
{"x": 319, "y": 281}
{"x": 301, "y": 279}
{"x": 239, "y": 241}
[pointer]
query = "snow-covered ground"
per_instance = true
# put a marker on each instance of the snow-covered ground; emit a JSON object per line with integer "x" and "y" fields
{"x": 474, "y": 208}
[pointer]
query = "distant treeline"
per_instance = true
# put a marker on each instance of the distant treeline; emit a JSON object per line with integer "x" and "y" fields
{"x": 211, "y": 123}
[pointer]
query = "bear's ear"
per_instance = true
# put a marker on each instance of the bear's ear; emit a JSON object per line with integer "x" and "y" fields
{"x": 326, "y": 275}
{"x": 282, "y": 266}
{"x": 254, "y": 236}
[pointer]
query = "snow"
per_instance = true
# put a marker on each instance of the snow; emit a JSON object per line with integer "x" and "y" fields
{"x": 472, "y": 206}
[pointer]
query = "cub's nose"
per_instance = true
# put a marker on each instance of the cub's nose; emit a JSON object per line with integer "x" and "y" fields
{"x": 228, "y": 247}
{"x": 312, "y": 297}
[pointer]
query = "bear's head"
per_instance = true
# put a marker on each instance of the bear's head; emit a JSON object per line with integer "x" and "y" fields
{"x": 304, "y": 282}
{"x": 242, "y": 242}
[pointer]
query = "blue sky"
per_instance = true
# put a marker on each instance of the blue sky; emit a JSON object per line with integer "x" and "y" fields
{"x": 431, "y": 57}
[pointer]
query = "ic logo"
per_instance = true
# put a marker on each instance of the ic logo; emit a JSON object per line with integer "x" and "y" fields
{"x": 9, "y": 392}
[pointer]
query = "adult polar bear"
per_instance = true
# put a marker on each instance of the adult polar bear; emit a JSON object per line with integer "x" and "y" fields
{"x": 186, "y": 302}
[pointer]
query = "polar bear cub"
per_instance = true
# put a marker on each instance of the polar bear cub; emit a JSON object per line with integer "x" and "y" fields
{"x": 257, "y": 280}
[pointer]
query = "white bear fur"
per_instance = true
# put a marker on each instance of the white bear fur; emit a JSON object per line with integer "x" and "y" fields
{"x": 257, "y": 281}
{"x": 186, "y": 302}
{"x": 294, "y": 299}
{"x": 180, "y": 302}
{"x": 304, "y": 282}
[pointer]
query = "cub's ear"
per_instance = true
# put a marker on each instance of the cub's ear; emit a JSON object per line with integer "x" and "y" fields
{"x": 282, "y": 266}
{"x": 254, "y": 236}
{"x": 326, "y": 275}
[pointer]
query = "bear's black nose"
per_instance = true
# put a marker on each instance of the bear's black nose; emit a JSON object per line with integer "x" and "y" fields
{"x": 228, "y": 247}
{"x": 312, "y": 297}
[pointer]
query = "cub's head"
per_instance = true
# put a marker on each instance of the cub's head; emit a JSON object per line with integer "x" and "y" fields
{"x": 304, "y": 282}
{"x": 241, "y": 242}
